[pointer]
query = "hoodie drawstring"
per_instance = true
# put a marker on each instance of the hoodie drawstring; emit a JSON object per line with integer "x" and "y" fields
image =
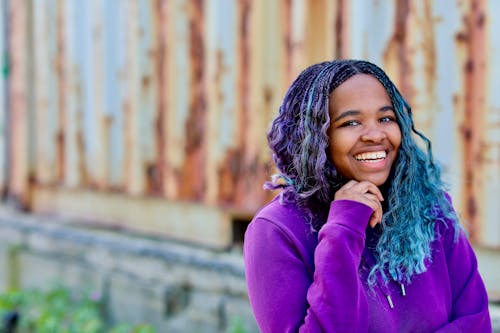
{"x": 370, "y": 260}
{"x": 385, "y": 289}
{"x": 387, "y": 293}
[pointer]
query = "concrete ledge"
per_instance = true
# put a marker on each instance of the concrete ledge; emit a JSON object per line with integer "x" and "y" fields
{"x": 172, "y": 286}
{"x": 495, "y": 317}
{"x": 189, "y": 222}
{"x": 168, "y": 284}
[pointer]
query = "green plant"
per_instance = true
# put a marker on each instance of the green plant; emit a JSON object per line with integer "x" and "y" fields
{"x": 236, "y": 326}
{"x": 60, "y": 311}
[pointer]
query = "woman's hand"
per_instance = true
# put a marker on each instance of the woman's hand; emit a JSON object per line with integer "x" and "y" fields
{"x": 366, "y": 193}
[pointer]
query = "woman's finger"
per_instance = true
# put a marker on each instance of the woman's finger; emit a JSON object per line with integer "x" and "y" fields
{"x": 366, "y": 193}
{"x": 368, "y": 187}
{"x": 376, "y": 205}
{"x": 352, "y": 189}
{"x": 374, "y": 202}
{"x": 349, "y": 184}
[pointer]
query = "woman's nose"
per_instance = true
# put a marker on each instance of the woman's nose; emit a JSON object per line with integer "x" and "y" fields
{"x": 373, "y": 134}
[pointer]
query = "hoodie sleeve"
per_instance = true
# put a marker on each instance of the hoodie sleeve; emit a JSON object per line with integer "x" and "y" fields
{"x": 470, "y": 301}
{"x": 286, "y": 296}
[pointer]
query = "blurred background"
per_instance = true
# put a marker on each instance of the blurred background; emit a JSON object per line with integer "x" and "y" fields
{"x": 133, "y": 136}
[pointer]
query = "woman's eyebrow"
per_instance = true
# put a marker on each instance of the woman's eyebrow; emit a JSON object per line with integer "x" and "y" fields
{"x": 347, "y": 114}
{"x": 387, "y": 108}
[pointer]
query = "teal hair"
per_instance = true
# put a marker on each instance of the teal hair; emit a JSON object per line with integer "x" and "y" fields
{"x": 415, "y": 198}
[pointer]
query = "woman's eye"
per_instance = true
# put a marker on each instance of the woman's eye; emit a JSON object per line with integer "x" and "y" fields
{"x": 387, "y": 119}
{"x": 350, "y": 123}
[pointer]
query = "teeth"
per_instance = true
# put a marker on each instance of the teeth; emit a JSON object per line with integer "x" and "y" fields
{"x": 370, "y": 156}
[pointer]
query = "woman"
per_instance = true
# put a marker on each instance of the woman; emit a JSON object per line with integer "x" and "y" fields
{"x": 362, "y": 237}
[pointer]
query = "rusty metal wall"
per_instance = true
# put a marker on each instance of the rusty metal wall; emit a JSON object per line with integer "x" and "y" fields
{"x": 172, "y": 99}
{"x": 3, "y": 93}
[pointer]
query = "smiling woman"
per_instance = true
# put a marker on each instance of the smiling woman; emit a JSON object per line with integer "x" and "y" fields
{"x": 364, "y": 134}
{"x": 363, "y": 236}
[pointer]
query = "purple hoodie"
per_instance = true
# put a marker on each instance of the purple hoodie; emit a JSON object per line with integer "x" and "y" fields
{"x": 303, "y": 281}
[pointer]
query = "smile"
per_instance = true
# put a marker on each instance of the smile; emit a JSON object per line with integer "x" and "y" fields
{"x": 371, "y": 157}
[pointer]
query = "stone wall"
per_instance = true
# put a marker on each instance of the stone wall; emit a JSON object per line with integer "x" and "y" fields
{"x": 174, "y": 287}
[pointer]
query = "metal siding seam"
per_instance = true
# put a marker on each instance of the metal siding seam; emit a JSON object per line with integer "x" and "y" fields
{"x": 18, "y": 104}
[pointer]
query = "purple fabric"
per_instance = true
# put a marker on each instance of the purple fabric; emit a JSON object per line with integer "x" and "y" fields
{"x": 302, "y": 281}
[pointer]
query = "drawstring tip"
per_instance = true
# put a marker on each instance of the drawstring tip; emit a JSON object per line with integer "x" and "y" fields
{"x": 389, "y": 299}
{"x": 403, "y": 290}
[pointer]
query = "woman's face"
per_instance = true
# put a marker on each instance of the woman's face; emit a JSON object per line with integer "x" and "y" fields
{"x": 364, "y": 134}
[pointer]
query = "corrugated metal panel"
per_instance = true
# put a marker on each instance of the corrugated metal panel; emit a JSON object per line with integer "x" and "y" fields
{"x": 450, "y": 57}
{"x": 474, "y": 113}
{"x": 18, "y": 134}
{"x": 222, "y": 126}
{"x": 46, "y": 93}
{"x": 94, "y": 114}
{"x": 69, "y": 138}
{"x": 261, "y": 98}
{"x": 176, "y": 93}
{"x": 172, "y": 99}
{"x": 490, "y": 145}
{"x": 140, "y": 97}
{"x": 192, "y": 177}
{"x": 114, "y": 74}
{"x": 3, "y": 95}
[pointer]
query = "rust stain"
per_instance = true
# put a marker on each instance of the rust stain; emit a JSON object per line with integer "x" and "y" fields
{"x": 268, "y": 95}
{"x": 396, "y": 53}
{"x": 128, "y": 142}
{"x": 400, "y": 34}
{"x": 220, "y": 70}
{"x": 339, "y": 29}
{"x": 193, "y": 179}
{"x": 287, "y": 22}
{"x": 229, "y": 173}
{"x": 471, "y": 205}
{"x": 245, "y": 12}
{"x": 107, "y": 124}
{"x": 61, "y": 155}
{"x": 84, "y": 176}
{"x": 145, "y": 82}
{"x": 17, "y": 128}
{"x": 256, "y": 173}
{"x": 244, "y": 48}
{"x": 471, "y": 128}
{"x": 158, "y": 187}
{"x": 62, "y": 91}
{"x": 461, "y": 37}
{"x": 480, "y": 19}
{"x": 430, "y": 52}
{"x": 152, "y": 179}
